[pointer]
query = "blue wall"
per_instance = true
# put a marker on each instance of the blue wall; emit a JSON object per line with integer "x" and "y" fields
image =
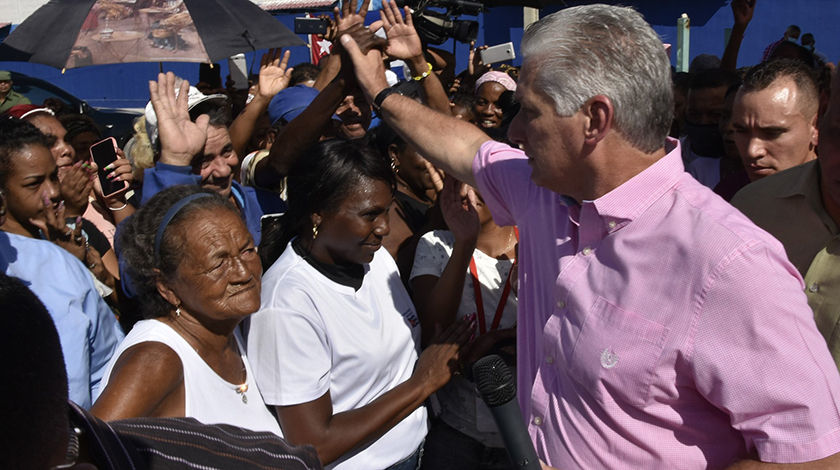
{"x": 127, "y": 85}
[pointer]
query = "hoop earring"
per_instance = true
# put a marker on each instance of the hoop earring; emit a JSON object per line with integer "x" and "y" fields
{"x": 394, "y": 166}
{"x": 178, "y": 311}
{"x": 314, "y": 231}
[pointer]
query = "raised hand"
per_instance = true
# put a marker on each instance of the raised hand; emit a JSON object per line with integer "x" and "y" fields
{"x": 274, "y": 74}
{"x": 403, "y": 41}
{"x": 180, "y": 138}
{"x": 475, "y": 67}
{"x": 367, "y": 65}
{"x": 347, "y": 16}
{"x": 743, "y": 11}
{"x": 457, "y": 202}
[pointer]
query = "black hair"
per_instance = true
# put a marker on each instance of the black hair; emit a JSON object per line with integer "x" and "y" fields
{"x": 33, "y": 403}
{"x": 136, "y": 238}
{"x": 382, "y": 137}
{"x": 681, "y": 81}
{"x": 14, "y": 135}
{"x": 304, "y": 72}
{"x": 77, "y": 124}
{"x": 763, "y": 75}
{"x": 802, "y": 54}
{"x": 807, "y": 38}
{"x": 713, "y": 78}
{"x": 319, "y": 182}
{"x": 464, "y": 99}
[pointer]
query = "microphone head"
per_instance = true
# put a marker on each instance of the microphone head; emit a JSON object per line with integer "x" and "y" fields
{"x": 493, "y": 380}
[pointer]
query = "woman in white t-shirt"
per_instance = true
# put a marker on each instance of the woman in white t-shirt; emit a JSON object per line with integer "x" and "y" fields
{"x": 467, "y": 272}
{"x": 335, "y": 343}
{"x": 193, "y": 267}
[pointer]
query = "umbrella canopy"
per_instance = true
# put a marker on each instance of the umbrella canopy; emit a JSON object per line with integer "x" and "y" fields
{"x": 76, "y": 33}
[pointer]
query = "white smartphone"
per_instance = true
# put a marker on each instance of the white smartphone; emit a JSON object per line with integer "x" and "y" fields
{"x": 499, "y": 53}
{"x": 238, "y": 71}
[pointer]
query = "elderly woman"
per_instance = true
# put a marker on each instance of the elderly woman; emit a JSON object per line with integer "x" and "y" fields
{"x": 334, "y": 345}
{"x": 194, "y": 267}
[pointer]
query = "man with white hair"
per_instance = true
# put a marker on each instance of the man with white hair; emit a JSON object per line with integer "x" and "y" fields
{"x": 658, "y": 327}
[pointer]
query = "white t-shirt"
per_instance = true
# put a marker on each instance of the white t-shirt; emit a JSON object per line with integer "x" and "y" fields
{"x": 461, "y": 405}
{"x": 312, "y": 335}
{"x": 207, "y": 397}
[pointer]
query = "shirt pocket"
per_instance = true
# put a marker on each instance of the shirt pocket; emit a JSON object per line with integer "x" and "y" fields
{"x": 616, "y": 354}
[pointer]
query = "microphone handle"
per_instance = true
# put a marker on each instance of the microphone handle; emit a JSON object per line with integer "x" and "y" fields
{"x": 508, "y": 419}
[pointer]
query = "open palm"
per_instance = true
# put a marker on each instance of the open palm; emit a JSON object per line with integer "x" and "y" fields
{"x": 180, "y": 138}
{"x": 274, "y": 73}
{"x": 403, "y": 40}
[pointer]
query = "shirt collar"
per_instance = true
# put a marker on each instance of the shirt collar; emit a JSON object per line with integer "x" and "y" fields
{"x": 806, "y": 183}
{"x": 624, "y": 203}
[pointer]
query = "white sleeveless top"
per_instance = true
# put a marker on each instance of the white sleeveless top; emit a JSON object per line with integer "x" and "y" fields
{"x": 208, "y": 397}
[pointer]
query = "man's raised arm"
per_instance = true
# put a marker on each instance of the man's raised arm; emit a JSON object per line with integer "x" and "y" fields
{"x": 447, "y": 142}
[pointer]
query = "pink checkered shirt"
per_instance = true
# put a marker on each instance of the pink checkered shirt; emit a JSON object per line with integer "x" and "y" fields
{"x": 658, "y": 327}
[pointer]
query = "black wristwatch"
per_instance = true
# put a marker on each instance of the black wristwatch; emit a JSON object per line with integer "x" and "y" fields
{"x": 380, "y": 98}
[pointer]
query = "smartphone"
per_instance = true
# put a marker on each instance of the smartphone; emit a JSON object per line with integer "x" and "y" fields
{"x": 499, "y": 53}
{"x": 104, "y": 153}
{"x": 238, "y": 71}
{"x": 311, "y": 25}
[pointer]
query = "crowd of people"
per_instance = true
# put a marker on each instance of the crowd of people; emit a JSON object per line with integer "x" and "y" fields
{"x": 302, "y": 278}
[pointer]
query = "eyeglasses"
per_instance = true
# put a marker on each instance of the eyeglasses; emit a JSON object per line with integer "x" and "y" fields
{"x": 72, "y": 449}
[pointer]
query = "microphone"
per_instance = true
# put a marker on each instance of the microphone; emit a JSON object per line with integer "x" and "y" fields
{"x": 497, "y": 387}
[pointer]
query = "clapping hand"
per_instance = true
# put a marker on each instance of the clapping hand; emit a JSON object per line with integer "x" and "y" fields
{"x": 55, "y": 229}
{"x": 180, "y": 138}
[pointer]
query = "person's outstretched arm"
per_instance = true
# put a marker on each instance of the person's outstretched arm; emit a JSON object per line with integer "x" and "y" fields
{"x": 743, "y": 11}
{"x": 449, "y": 143}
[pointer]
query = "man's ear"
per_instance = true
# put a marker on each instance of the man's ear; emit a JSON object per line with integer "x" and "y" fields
{"x": 599, "y": 113}
{"x": 165, "y": 291}
{"x": 815, "y": 131}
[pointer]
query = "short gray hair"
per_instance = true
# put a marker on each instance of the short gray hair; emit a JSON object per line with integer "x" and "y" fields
{"x": 584, "y": 51}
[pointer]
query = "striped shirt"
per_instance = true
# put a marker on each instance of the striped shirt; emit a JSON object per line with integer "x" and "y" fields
{"x": 181, "y": 443}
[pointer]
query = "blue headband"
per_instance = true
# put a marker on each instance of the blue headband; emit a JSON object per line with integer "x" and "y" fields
{"x": 170, "y": 214}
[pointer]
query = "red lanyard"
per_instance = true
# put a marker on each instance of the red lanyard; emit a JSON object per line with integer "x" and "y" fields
{"x": 479, "y": 304}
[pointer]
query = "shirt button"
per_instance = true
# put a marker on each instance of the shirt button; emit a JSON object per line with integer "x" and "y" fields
{"x": 814, "y": 287}
{"x": 586, "y": 251}
{"x": 611, "y": 224}
{"x": 561, "y": 304}
{"x": 549, "y": 360}
{"x": 537, "y": 420}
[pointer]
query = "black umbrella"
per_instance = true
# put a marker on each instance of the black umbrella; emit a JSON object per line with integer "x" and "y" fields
{"x": 76, "y": 33}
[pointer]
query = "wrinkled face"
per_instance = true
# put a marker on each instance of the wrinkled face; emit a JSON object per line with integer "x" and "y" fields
{"x": 551, "y": 142}
{"x": 487, "y": 112}
{"x": 771, "y": 130}
{"x": 355, "y": 115}
{"x": 353, "y": 233}
{"x": 5, "y": 86}
{"x": 62, "y": 151}
{"x": 82, "y": 142}
{"x": 705, "y": 105}
{"x": 217, "y": 164}
{"x": 32, "y": 175}
{"x": 219, "y": 275}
